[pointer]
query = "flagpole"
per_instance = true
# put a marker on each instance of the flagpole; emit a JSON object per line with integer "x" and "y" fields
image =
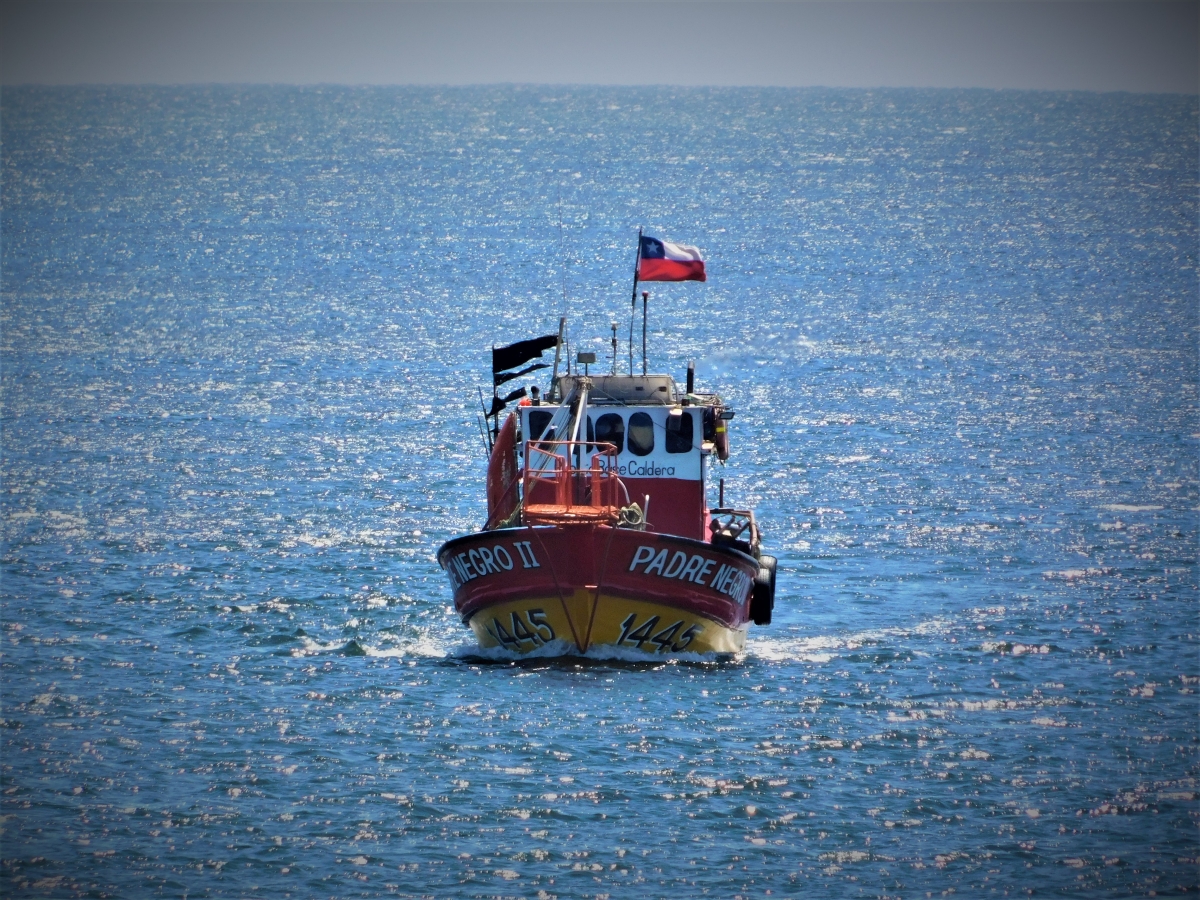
{"x": 645, "y": 303}
{"x": 633, "y": 300}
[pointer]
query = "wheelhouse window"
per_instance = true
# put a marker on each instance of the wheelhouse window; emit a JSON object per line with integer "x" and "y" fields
{"x": 538, "y": 420}
{"x": 641, "y": 434}
{"x": 679, "y": 433}
{"x": 610, "y": 429}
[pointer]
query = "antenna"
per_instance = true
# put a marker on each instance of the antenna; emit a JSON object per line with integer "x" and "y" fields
{"x": 645, "y": 304}
{"x": 562, "y": 254}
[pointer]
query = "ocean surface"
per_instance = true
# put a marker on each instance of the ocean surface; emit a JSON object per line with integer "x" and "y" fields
{"x": 242, "y": 330}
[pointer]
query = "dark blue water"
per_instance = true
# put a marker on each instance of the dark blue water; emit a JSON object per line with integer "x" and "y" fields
{"x": 241, "y": 333}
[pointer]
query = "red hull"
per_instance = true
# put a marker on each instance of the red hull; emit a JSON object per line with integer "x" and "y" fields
{"x": 595, "y": 580}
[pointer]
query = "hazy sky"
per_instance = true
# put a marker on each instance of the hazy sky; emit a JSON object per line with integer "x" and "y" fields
{"x": 1090, "y": 45}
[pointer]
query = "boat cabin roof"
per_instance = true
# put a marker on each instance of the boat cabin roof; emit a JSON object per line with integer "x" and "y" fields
{"x": 657, "y": 390}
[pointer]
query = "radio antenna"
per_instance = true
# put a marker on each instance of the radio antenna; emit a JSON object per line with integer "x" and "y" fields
{"x": 562, "y": 255}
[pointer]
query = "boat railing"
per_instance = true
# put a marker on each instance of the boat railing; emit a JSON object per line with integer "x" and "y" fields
{"x": 557, "y": 486}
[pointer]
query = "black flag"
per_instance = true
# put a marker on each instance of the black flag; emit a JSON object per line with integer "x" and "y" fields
{"x": 500, "y": 377}
{"x": 522, "y": 351}
{"x": 498, "y": 403}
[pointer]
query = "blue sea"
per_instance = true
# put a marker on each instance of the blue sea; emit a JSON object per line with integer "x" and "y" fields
{"x": 241, "y": 334}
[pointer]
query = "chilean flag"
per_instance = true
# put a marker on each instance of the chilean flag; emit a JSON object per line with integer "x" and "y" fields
{"x": 664, "y": 261}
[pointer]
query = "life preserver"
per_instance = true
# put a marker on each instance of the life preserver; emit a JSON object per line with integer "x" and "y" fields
{"x": 715, "y": 431}
{"x": 721, "y": 439}
{"x": 503, "y": 477}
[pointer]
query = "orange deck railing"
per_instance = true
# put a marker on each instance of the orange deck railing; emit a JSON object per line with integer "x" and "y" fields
{"x": 557, "y": 491}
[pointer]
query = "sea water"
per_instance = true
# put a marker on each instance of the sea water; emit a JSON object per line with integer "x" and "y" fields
{"x": 243, "y": 330}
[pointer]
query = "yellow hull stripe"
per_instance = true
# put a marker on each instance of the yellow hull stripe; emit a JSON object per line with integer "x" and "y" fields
{"x": 587, "y": 620}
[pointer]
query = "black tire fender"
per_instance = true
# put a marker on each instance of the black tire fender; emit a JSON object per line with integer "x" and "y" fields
{"x": 762, "y": 598}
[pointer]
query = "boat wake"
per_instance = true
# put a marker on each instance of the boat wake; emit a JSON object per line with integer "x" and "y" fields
{"x": 566, "y": 651}
{"x": 823, "y": 648}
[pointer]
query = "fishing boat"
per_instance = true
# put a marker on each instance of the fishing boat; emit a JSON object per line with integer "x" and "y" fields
{"x": 599, "y": 531}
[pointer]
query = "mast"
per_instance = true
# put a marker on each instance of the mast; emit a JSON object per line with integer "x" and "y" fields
{"x": 562, "y": 325}
{"x": 579, "y": 431}
{"x": 645, "y": 303}
{"x": 633, "y": 300}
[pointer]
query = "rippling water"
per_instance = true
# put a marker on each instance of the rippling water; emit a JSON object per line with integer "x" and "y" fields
{"x": 242, "y": 330}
